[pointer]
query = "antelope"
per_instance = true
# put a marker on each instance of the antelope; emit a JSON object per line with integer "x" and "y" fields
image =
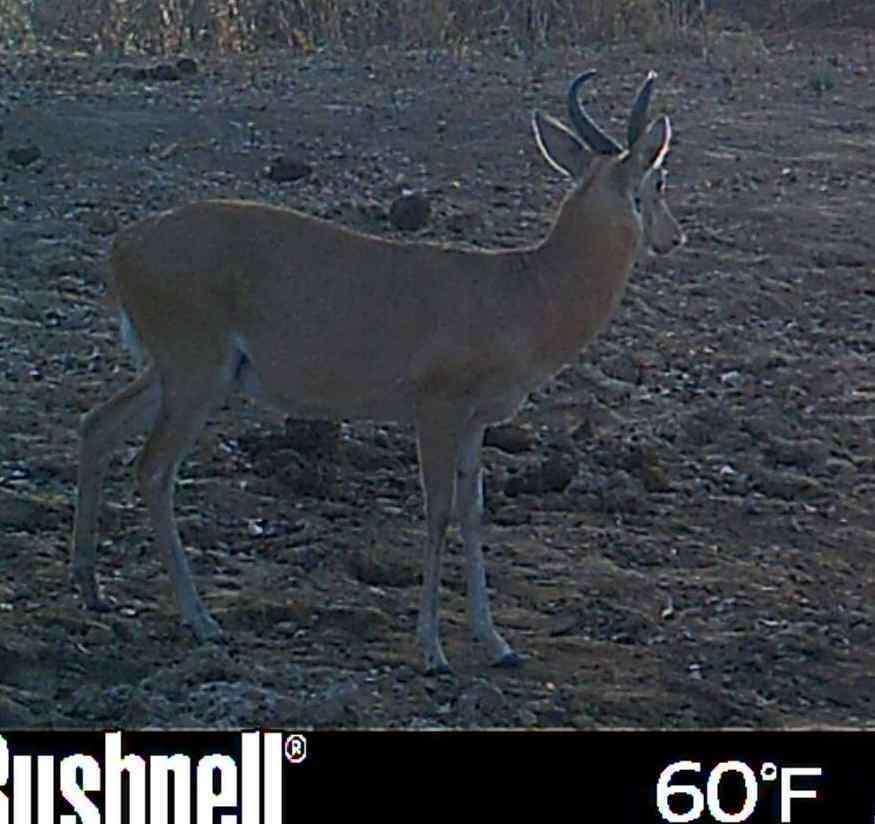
{"x": 327, "y": 323}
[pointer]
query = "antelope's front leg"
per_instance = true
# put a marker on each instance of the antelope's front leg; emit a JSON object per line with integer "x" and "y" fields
{"x": 437, "y": 466}
{"x": 469, "y": 501}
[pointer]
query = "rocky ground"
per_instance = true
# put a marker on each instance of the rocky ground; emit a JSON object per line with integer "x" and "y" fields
{"x": 681, "y": 525}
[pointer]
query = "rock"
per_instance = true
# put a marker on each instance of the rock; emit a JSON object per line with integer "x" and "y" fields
{"x": 312, "y": 437}
{"x": 23, "y": 155}
{"x": 565, "y": 623}
{"x": 312, "y": 478}
{"x": 367, "y": 457}
{"x": 787, "y": 485}
{"x": 410, "y": 211}
{"x": 622, "y": 367}
{"x": 552, "y": 475}
{"x": 606, "y": 388}
{"x": 381, "y": 572}
{"x": 337, "y": 706}
{"x": 187, "y": 65}
{"x": 655, "y": 478}
{"x": 164, "y": 71}
{"x": 20, "y": 510}
{"x": 526, "y": 718}
{"x": 645, "y": 461}
{"x": 307, "y": 557}
{"x": 840, "y": 466}
{"x": 708, "y": 424}
{"x": 621, "y": 492}
{"x": 809, "y": 453}
{"x": 512, "y": 516}
{"x": 99, "y": 223}
{"x": 557, "y": 472}
{"x": 130, "y": 72}
{"x": 365, "y": 623}
{"x": 480, "y": 702}
{"x": 14, "y": 711}
{"x": 464, "y": 222}
{"x": 510, "y": 438}
{"x": 283, "y": 169}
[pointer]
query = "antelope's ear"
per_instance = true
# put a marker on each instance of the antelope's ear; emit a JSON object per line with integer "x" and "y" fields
{"x": 561, "y": 148}
{"x": 651, "y": 148}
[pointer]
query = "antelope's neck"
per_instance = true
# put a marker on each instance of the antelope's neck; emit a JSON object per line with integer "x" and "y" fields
{"x": 583, "y": 270}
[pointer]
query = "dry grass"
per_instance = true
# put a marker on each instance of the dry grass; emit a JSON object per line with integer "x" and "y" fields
{"x": 167, "y": 26}
{"x": 159, "y": 26}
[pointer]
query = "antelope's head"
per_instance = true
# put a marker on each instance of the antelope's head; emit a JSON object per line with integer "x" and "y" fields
{"x": 614, "y": 184}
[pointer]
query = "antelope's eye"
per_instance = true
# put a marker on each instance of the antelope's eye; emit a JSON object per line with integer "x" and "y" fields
{"x": 637, "y": 203}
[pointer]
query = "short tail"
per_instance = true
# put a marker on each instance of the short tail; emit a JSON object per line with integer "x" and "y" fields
{"x": 113, "y": 300}
{"x": 130, "y": 339}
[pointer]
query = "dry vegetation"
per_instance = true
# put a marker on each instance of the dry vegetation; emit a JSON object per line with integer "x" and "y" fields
{"x": 162, "y": 26}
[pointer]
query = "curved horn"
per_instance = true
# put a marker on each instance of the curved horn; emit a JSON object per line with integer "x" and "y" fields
{"x": 588, "y": 130}
{"x": 638, "y": 115}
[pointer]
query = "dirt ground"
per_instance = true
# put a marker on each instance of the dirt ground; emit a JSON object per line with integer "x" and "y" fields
{"x": 681, "y": 525}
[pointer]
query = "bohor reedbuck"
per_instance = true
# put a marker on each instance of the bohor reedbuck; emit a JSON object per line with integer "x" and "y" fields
{"x": 327, "y": 323}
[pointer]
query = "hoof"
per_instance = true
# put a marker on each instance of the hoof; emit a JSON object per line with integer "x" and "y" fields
{"x": 443, "y": 668}
{"x": 99, "y": 604}
{"x": 92, "y": 596}
{"x": 510, "y": 660}
{"x": 206, "y": 630}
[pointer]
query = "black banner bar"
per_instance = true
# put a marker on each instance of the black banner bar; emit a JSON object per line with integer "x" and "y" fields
{"x": 261, "y": 777}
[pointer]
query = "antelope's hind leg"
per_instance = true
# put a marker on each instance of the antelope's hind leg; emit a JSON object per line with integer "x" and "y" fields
{"x": 102, "y": 431}
{"x": 188, "y": 397}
